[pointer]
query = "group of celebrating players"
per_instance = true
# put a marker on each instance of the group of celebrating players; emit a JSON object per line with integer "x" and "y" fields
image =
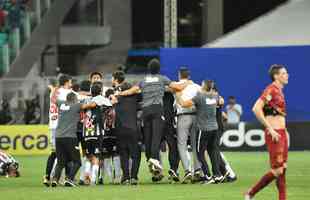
{"x": 110, "y": 127}
{"x": 107, "y": 125}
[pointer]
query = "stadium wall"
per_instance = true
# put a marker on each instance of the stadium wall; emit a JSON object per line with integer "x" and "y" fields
{"x": 247, "y": 136}
{"x": 25, "y": 139}
{"x": 243, "y": 72}
{"x": 34, "y": 139}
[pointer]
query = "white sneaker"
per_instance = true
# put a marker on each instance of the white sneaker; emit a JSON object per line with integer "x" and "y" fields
{"x": 117, "y": 180}
{"x": 209, "y": 180}
{"x": 218, "y": 179}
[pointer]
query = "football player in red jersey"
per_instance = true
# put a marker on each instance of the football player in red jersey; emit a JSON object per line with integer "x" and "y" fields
{"x": 270, "y": 110}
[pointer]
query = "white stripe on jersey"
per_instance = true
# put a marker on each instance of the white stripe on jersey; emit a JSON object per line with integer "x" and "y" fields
{"x": 5, "y": 158}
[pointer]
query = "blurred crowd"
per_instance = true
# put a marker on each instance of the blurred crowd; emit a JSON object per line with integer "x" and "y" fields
{"x": 11, "y": 14}
{"x": 30, "y": 115}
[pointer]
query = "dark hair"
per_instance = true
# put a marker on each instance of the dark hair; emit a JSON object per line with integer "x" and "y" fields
{"x": 109, "y": 92}
{"x": 96, "y": 89}
{"x": 274, "y": 69}
{"x": 154, "y": 66}
{"x": 14, "y": 166}
{"x": 121, "y": 67}
{"x": 231, "y": 97}
{"x": 119, "y": 76}
{"x": 76, "y": 87}
{"x": 85, "y": 85}
{"x": 95, "y": 73}
{"x": 71, "y": 97}
{"x": 63, "y": 79}
{"x": 208, "y": 85}
{"x": 184, "y": 72}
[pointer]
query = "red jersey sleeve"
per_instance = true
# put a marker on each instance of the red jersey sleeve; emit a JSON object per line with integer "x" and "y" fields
{"x": 268, "y": 94}
{"x": 274, "y": 98}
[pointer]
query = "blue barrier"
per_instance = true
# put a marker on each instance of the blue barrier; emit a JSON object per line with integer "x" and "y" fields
{"x": 243, "y": 72}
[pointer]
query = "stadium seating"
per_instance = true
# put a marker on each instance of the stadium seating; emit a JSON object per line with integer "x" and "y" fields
{"x": 12, "y": 15}
{"x": 17, "y": 19}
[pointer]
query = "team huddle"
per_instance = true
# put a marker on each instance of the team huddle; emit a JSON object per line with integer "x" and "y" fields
{"x": 95, "y": 128}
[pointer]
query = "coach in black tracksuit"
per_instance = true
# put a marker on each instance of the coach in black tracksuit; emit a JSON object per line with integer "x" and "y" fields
{"x": 126, "y": 129}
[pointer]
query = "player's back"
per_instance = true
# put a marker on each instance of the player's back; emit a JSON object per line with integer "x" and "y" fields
{"x": 69, "y": 116}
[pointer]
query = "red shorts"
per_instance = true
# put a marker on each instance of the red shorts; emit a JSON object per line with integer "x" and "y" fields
{"x": 278, "y": 151}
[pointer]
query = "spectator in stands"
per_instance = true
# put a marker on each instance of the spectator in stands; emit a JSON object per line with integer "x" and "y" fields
{"x": 15, "y": 14}
{"x": 33, "y": 111}
{"x": 234, "y": 111}
{"x": 3, "y": 15}
{"x": 6, "y": 116}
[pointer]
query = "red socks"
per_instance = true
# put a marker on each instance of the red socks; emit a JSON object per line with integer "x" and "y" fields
{"x": 281, "y": 185}
{"x": 268, "y": 178}
{"x": 263, "y": 182}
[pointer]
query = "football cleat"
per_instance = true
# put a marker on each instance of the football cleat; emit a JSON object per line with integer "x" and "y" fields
{"x": 54, "y": 184}
{"x": 218, "y": 179}
{"x": 125, "y": 182}
{"x": 157, "y": 178}
{"x": 187, "y": 177}
{"x": 69, "y": 183}
{"x": 208, "y": 180}
{"x": 134, "y": 181}
{"x": 46, "y": 181}
{"x": 81, "y": 183}
{"x": 197, "y": 176}
{"x": 173, "y": 176}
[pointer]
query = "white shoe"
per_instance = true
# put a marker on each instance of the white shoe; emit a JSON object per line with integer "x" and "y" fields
{"x": 117, "y": 180}
{"x": 218, "y": 179}
{"x": 209, "y": 180}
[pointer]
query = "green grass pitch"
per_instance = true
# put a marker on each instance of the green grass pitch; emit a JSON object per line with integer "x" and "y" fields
{"x": 248, "y": 166}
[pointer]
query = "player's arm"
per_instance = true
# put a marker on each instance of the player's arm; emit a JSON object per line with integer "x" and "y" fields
{"x": 224, "y": 115}
{"x": 175, "y": 86}
{"x": 51, "y": 88}
{"x": 113, "y": 99}
{"x": 259, "y": 113}
{"x": 133, "y": 90}
{"x": 287, "y": 136}
{"x": 179, "y": 86}
{"x": 182, "y": 102}
{"x": 221, "y": 101}
{"x": 88, "y": 106}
